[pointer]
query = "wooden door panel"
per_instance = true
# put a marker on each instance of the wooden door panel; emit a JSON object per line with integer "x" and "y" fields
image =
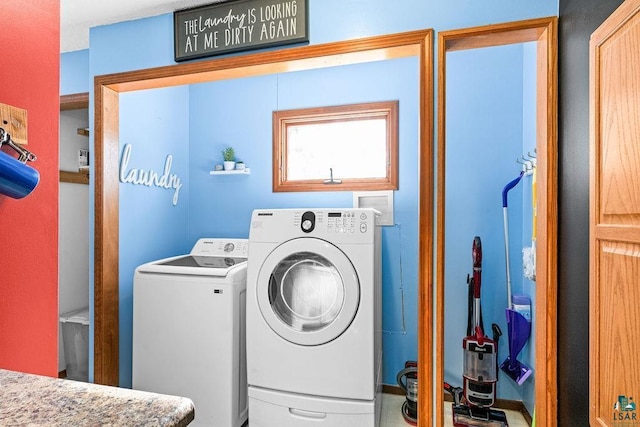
{"x": 620, "y": 126}
{"x": 617, "y": 328}
{"x": 614, "y": 241}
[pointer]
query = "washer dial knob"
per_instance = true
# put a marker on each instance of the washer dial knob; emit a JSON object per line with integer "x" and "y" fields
{"x": 308, "y": 222}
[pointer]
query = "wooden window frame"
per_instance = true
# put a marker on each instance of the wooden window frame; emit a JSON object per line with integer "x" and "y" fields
{"x": 342, "y": 113}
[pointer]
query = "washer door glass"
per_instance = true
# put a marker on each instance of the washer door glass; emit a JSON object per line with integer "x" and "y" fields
{"x": 308, "y": 291}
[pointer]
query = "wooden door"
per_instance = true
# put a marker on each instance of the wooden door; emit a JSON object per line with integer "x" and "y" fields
{"x": 615, "y": 219}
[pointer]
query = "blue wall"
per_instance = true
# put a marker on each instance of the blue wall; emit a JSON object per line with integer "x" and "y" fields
{"x": 149, "y": 42}
{"x": 74, "y": 72}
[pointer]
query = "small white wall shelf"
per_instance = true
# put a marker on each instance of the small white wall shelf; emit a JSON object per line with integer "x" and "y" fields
{"x": 245, "y": 171}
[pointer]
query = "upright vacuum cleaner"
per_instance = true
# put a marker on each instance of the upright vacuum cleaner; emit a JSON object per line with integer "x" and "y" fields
{"x": 480, "y": 372}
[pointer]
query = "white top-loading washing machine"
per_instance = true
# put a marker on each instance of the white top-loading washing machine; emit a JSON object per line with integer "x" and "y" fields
{"x": 314, "y": 350}
{"x": 189, "y": 329}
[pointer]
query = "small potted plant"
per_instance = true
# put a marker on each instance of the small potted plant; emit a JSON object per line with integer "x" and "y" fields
{"x": 240, "y": 165}
{"x": 229, "y": 158}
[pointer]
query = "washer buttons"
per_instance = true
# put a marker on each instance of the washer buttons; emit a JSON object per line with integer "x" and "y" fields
{"x": 363, "y": 227}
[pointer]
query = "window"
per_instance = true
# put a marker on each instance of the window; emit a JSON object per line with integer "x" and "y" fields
{"x": 349, "y": 147}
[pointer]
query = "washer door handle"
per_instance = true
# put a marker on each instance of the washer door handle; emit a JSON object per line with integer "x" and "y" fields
{"x": 307, "y": 414}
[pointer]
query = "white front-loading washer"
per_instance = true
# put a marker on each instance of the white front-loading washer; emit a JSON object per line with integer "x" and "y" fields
{"x": 189, "y": 328}
{"x": 314, "y": 353}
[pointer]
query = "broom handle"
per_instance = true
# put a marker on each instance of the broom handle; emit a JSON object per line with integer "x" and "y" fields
{"x": 506, "y": 253}
{"x": 505, "y": 191}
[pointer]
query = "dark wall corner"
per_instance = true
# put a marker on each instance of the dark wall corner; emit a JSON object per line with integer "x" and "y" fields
{"x": 577, "y": 20}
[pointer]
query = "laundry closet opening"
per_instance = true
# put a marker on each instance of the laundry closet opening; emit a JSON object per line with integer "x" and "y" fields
{"x": 269, "y": 81}
{"x": 494, "y": 123}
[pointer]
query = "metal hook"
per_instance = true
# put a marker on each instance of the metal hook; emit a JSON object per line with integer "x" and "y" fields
{"x": 4, "y": 137}
{"x": 533, "y": 159}
{"x": 527, "y": 164}
{"x": 24, "y": 155}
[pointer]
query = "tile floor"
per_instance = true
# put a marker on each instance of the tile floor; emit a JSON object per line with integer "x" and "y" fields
{"x": 392, "y": 414}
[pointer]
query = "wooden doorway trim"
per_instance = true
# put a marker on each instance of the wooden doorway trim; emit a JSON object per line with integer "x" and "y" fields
{"x": 106, "y": 93}
{"x": 544, "y": 32}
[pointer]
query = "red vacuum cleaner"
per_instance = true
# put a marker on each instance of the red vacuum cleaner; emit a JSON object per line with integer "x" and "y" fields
{"x": 465, "y": 415}
{"x": 472, "y": 403}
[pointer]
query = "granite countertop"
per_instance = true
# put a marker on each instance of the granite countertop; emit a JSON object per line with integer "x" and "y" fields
{"x": 34, "y": 400}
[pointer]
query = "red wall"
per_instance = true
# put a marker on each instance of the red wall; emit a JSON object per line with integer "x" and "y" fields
{"x": 29, "y": 79}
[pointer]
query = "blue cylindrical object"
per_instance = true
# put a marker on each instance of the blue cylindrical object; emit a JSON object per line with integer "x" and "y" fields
{"x": 17, "y": 179}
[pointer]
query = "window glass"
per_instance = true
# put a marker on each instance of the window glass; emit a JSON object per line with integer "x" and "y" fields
{"x": 352, "y": 149}
{"x": 353, "y": 146}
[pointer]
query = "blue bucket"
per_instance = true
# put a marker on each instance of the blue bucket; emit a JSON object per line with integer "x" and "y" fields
{"x": 17, "y": 179}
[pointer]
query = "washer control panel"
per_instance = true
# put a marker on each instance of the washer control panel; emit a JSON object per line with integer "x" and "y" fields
{"x": 334, "y": 222}
{"x": 335, "y": 225}
{"x": 344, "y": 222}
{"x": 238, "y": 248}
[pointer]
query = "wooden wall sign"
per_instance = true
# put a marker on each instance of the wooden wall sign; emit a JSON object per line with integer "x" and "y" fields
{"x": 14, "y": 122}
{"x": 238, "y": 25}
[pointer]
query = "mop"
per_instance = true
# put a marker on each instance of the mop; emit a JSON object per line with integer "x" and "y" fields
{"x": 518, "y": 327}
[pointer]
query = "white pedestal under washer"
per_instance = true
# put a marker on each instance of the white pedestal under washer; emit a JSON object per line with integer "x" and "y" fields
{"x": 189, "y": 333}
{"x": 314, "y": 353}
